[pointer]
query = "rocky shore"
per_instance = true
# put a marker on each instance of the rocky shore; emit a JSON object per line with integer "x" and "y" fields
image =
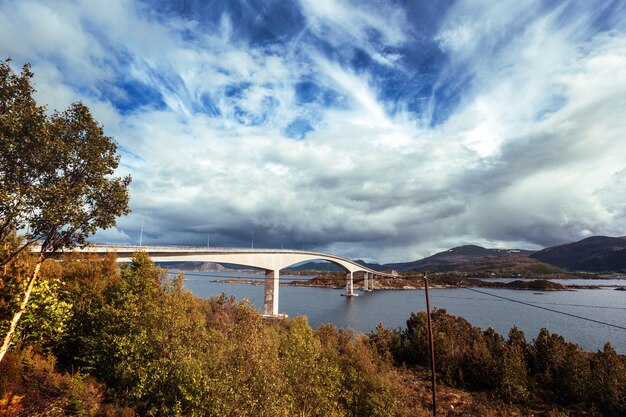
{"x": 337, "y": 281}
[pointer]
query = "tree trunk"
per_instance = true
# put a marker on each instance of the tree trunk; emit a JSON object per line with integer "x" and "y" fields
{"x": 16, "y": 317}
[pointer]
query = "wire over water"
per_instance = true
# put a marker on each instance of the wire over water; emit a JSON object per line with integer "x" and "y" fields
{"x": 547, "y": 309}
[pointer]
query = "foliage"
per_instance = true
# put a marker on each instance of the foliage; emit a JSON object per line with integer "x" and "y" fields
{"x": 369, "y": 385}
{"x": 45, "y": 321}
{"x": 313, "y": 378}
{"x": 157, "y": 350}
{"x": 14, "y": 276}
{"x": 163, "y": 351}
{"x": 547, "y": 369}
{"x": 512, "y": 368}
{"x": 22, "y": 148}
{"x": 55, "y": 172}
{"x": 31, "y": 386}
{"x": 609, "y": 381}
{"x": 464, "y": 354}
{"x": 56, "y": 181}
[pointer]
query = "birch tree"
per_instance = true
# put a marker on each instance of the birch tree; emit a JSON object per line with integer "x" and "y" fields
{"x": 57, "y": 182}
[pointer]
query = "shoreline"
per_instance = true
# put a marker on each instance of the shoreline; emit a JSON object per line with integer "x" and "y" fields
{"x": 414, "y": 287}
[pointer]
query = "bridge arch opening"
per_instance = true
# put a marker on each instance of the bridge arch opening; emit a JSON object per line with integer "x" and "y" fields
{"x": 316, "y": 265}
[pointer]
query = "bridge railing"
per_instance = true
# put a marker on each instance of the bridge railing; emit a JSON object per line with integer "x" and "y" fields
{"x": 201, "y": 248}
{"x": 167, "y": 248}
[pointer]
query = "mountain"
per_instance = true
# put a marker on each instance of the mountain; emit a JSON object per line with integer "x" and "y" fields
{"x": 455, "y": 258}
{"x": 504, "y": 265}
{"x": 593, "y": 254}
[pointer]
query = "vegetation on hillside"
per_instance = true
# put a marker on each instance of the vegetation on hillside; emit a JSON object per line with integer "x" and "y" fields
{"x": 547, "y": 369}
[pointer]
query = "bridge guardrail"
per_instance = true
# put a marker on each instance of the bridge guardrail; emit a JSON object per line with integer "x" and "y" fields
{"x": 151, "y": 248}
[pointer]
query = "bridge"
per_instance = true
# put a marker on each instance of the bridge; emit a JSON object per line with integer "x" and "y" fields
{"x": 272, "y": 261}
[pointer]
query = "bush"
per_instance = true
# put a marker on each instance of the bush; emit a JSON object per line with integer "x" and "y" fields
{"x": 32, "y": 386}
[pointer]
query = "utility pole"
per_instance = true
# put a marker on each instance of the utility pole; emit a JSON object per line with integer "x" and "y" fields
{"x": 432, "y": 347}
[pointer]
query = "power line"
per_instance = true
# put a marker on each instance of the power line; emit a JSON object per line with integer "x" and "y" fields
{"x": 547, "y": 309}
{"x": 537, "y": 303}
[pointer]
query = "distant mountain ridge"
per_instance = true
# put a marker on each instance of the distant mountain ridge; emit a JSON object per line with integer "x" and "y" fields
{"x": 453, "y": 259}
{"x": 459, "y": 258}
{"x": 593, "y": 254}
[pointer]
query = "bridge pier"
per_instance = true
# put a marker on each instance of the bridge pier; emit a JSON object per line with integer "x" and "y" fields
{"x": 272, "y": 286}
{"x": 366, "y": 281}
{"x": 350, "y": 285}
{"x": 372, "y": 283}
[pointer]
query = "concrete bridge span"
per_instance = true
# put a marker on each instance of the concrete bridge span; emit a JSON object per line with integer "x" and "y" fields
{"x": 272, "y": 261}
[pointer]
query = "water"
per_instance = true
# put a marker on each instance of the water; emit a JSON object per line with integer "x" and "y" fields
{"x": 613, "y": 282}
{"x": 393, "y": 307}
{"x": 247, "y": 275}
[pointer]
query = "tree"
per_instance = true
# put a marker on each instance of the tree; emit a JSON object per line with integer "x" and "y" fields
{"x": 56, "y": 177}
{"x": 609, "y": 381}
{"x": 512, "y": 374}
{"x": 22, "y": 153}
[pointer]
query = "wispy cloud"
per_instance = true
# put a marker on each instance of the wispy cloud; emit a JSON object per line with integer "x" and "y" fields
{"x": 380, "y": 131}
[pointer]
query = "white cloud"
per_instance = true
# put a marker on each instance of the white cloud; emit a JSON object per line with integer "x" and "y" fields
{"x": 356, "y": 19}
{"x": 532, "y": 154}
{"x": 370, "y": 27}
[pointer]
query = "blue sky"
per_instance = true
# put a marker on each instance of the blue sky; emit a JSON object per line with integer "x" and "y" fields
{"x": 377, "y": 130}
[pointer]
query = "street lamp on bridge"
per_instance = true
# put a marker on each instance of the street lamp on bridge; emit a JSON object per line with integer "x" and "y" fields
{"x": 141, "y": 233}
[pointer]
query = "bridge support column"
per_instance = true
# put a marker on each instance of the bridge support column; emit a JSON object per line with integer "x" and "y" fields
{"x": 372, "y": 283}
{"x": 349, "y": 285}
{"x": 366, "y": 281}
{"x": 272, "y": 285}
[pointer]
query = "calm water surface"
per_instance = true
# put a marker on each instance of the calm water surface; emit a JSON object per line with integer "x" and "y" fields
{"x": 613, "y": 282}
{"x": 393, "y": 307}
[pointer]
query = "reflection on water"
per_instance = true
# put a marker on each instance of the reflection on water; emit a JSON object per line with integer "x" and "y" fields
{"x": 393, "y": 307}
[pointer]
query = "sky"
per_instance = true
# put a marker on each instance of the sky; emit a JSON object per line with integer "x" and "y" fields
{"x": 377, "y": 130}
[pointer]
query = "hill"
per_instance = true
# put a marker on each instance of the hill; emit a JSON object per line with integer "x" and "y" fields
{"x": 593, "y": 254}
{"x": 459, "y": 258}
{"x": 505, "y": 265}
